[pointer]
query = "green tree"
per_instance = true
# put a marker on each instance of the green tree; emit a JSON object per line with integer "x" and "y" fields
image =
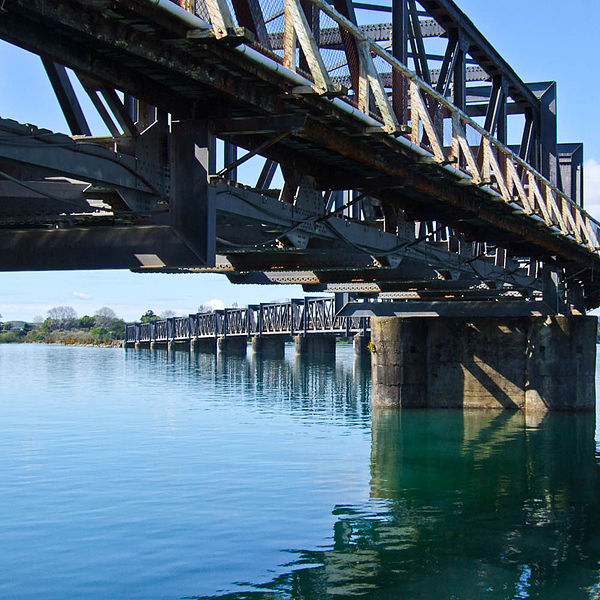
{"x": 99, "y": 332}
{"x": 148, "y": 316}
{"x": 117, "y": 329}
{"x": 86, "y": 322}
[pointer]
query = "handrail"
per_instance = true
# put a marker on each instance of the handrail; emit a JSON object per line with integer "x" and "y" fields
{"x": 310, "y": 315}
{"x": 494, "y": 168}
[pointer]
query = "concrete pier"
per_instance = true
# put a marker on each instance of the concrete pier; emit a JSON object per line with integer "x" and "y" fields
{"x": 532, "y": 363}
{"x": 268, "y": 346}
{"x": 315, "y": 345}
{"x": 173, "y": 345}
{"x": 233, "y": 345}
{"x": 204, "y": 345}
{"x": 360, "y": 342}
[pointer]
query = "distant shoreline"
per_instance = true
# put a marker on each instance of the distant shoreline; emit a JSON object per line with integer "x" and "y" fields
{"x": 108, "y": 344}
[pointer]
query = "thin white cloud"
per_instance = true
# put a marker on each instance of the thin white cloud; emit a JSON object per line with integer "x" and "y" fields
{"x": 81, "y": 295}
{"x": 591, "y": 189}
{"x": 215, "y": 304}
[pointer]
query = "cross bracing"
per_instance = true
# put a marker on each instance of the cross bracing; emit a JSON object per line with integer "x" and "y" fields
{"x": 397, "y": 169}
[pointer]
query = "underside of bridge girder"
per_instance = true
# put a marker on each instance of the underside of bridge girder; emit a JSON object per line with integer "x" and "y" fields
{"x": 340, "y": 205}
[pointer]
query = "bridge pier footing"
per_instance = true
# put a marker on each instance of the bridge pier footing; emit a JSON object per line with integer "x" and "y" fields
{"x": 204, "y": 345}
{"x": 235, "y": 345}
{"x": 315, "y": 345}
{"x": 531, "y": 363}
{"x": 360, "y": 342}
{"x": 268, "y": 346}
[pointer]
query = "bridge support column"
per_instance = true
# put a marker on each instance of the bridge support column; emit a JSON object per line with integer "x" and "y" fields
{"x": 235, "y": 345}
{"x": 178, "y": 345}
{"x": 315, "y": 345}
{"x": 532, "y": 363}
{"x": 360, "y": 342}
{"x": 155, "y": 345}
{"x": 268, "y": 346}
{"x": 204, "y": 345}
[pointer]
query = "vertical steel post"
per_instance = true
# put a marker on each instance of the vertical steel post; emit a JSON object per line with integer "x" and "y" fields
{"x": 131, "y": 106}
{"x": 305, "y": 316}
{"x": 230, "y": 158}
{"x": 400, "y": 51}
{"x": 548, "y": 134}
{"x": 460, "y": 73}
{"x": 191, "y": 203}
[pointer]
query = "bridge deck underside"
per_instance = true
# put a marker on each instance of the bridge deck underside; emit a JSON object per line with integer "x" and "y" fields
{"x": 151, "y": 56}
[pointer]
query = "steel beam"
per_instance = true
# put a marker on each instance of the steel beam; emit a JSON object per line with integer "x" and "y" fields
{"x": 135, "y": 247}
{"x": 450, "y": 308}
{"x": 447, "y": 13}
{"x": 57, "y": 154}
{"x": 69, "y": 104}
{"x": 191, "y": 201}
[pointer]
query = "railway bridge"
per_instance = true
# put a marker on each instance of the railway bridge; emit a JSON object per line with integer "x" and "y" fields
{"x": 312, "y": 323}
{"x": 385, "y": 152}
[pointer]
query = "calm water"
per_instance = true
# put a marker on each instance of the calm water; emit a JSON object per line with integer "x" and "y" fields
{"x": 148, "y": 475}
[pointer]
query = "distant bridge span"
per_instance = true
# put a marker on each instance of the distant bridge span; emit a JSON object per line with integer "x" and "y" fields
{"x": 396, "y": 173}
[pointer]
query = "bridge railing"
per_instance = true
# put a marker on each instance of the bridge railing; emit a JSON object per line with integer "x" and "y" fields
{"x": 274, "y": 318}
{"x": 424, "y": 119}
{"x": 160, "y": 329}
{"x": 144, "y": 332}
{"x": 180, "y": 328}
{"x": 309, "y": 315}
{"x": 233, "y": 321}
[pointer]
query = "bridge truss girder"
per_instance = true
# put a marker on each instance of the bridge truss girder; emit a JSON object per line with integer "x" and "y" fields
{"x": 184, "y": 77}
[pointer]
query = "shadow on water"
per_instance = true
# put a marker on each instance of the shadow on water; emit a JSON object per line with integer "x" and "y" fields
{"x": 462, "y": 505}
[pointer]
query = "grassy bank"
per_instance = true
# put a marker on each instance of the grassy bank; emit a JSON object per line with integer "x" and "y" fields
{"x": 68, "y": 338}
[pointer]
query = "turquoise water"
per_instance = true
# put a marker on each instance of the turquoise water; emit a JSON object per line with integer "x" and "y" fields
{"x": 167, "y": 476}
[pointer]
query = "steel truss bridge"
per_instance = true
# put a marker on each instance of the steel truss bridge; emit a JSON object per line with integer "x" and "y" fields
{"x": 385, "y": 135}
{"x": 298, "y": 316}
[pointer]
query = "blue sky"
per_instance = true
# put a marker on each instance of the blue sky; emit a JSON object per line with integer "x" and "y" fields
{"x": 550, "y": 40}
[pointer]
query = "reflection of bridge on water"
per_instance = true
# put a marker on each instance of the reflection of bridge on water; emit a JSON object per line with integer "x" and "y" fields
{"x": 463, "y": 505}
{"x": 299, "y": 385}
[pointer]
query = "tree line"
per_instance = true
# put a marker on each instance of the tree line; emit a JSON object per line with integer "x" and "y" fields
{"x": 63, "y": 326}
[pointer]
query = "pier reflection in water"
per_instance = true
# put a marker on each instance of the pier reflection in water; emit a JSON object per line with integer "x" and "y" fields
{"x": 299, "y": 385}
{"x": 463, "y": 505}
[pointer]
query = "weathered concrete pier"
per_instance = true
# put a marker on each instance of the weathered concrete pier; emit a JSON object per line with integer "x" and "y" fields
{"x": 533, "y": 363}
